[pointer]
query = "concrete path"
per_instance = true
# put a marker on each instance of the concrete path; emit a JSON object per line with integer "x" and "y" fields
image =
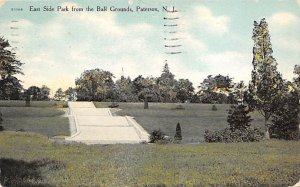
{"x": 97, "y": 126}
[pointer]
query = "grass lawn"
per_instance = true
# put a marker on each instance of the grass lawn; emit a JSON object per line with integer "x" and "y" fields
{"x": 43, "y": 117}
{"x": 194, "y": 119}
{"x": 268, "y": 163}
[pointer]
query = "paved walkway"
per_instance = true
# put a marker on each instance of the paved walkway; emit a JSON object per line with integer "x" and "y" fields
{"x": 91, "y": 125}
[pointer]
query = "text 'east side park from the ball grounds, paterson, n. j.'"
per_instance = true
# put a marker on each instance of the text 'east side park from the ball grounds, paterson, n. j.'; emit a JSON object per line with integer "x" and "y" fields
{"x": 99, "y": 9}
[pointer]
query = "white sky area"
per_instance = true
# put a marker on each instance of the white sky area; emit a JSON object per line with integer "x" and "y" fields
{"x": 216, "y": 39}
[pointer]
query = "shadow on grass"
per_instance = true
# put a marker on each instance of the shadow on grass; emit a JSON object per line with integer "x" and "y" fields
{"x": 21, "y": 173}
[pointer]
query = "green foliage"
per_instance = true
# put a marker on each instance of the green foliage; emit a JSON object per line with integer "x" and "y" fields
{"x": 239, "y": 128}
{"x": 95, "y": 85}
{"x": 70, "y": 94}
{"x": 166, "y": 85}
{"x": 184, "y": 90}
{"x": 59, "y": 95}
{"x": 266, "y": 81}
{"x": 178, "y": 135}
{"x": 238, "y": 118}
{"x": 125, "y": 90}
{"x": 156, "y": 136}
{"x": 229, "y": 136}
{"x": 10, "y": 86}
{"x": 286, "y": 118}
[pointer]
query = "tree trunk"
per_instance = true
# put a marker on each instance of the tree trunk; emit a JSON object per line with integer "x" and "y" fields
{"x": 146, "y": 103}
{"x": 27, "y": 104}
{"x": 267, "y": 133}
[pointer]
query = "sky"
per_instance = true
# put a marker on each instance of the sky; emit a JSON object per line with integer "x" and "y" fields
{"x": 215, "y": 37}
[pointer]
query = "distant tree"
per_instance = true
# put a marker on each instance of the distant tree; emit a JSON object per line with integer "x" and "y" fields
{"x": 149, "y": 91}
{"x": 166, "y": 85}
{"x": 10, "y": 86}
{"x": 70, "y": 94}
{"x": 34, "y": 92}
{"x": 44, "y": 93}
{"x": 125, "y": 90}
{"x": 138, "y": 85}
{"x": 215, "y": 89}
{"x": 59, "y": 95}
{"x": 266, "y": 81}
{"x": 184, "y": 90}
{"x": 178, "y": 135}
{"x": 95, "y": 85}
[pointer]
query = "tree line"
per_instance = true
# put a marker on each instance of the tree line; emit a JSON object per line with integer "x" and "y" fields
{"x": 276, "y": 99}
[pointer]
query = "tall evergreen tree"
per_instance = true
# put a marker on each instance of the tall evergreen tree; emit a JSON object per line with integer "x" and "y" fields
{"x": 266, "y": 81}
{"x": 10, "y": 86}
{"x": 166, "y": 85}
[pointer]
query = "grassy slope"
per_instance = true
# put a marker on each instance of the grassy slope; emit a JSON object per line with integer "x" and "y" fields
{"x": 42, "y": 117}
{"x": 271, "y": 163}
{"x": 194, "y": 120}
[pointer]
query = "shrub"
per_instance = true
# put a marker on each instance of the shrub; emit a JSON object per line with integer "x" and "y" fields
{"x": 179, "y": 107}
{"x": 1, "y": 128}
{"x": 156, "y": 136}
{"x": 113, "y": 105}
{"x": 228, "y": 136}
{"x": 214, "y": 108}
{"x": 239, "y": 128}
{"x": 238, "y": 118}
{"x": 178, "y": 135}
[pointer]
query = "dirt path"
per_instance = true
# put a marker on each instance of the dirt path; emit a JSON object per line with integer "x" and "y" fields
{"x": 97, "y": 126}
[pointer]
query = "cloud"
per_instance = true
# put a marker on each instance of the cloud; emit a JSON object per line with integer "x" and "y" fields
{"x": 298, "y": 1}
{"x": 235, "y": 64}
{"x": 209, "y": 22}
{"x": 283, "y": 19}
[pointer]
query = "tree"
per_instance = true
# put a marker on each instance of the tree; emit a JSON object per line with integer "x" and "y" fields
{"x": 95, "y": 85}
{"x": 44, "y": 93}
{"x": 238, "y": 118}
{"x": 125, "y": 90}
{"x": 215, "y": 89}
{"x": 178, "y": 135}
{"x": 266, "y": 81}
{"x": 184, "y": 90}
{"x": 34, "y": 93}
{"x": 285, "y": 119}
{"x": 70, "y": 94}
{"x": 59, "y": 95}
{"x": 10, "y": 86}
{"x": 166, "y": 85}
{"x": 149, "y": 91}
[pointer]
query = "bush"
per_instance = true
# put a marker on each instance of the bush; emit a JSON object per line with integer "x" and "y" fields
{"x": 179, "y": 107}
{"x": 156, "y": 136}
{"x": 239, "y": 128}
{"x": 1, "y": 128}
{"x": 214, "y": 108}
{"x": 228, "y": 136}
{"x": 178, "y": 135}
{"x": 113, "y": 105}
